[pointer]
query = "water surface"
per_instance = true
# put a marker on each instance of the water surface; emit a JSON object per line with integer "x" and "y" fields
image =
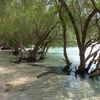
{"x": 49, "y": 87}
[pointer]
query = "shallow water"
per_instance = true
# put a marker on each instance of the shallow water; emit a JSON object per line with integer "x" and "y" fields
{"x": 49, "y": 87}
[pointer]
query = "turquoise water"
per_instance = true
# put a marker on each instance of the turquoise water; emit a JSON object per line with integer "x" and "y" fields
{"x": 50, "y": 86}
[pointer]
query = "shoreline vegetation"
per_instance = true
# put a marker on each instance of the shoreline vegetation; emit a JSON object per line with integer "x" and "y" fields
{"x": 93, "y": 72}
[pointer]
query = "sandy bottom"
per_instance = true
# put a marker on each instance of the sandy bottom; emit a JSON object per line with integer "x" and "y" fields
{"x": 19, "y": 82}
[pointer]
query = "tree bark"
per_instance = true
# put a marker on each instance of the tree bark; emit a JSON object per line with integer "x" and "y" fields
{"x": 67, "y": 67}
{"x": 33, "y": 54}
{"x": 78, "y": 38}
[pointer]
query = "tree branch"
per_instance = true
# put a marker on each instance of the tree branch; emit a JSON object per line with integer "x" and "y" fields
{"x": 90, "y": 55}
{"x": 87, "y": 21}
{"x": 72, "y": 20}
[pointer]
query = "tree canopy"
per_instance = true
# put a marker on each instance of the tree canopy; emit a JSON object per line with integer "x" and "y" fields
{"x": 46, "y": 23}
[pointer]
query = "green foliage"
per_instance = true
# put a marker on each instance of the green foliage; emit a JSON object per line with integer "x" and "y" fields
{"x": 28, "y": 20}
{"x": 25, "y": 20}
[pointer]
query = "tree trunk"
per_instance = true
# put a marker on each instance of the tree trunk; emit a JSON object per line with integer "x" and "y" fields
{"x": 16, "y": 50}
{"x": 66, "y": 68}
{"x": 33, "y": 54}
{"x": 32, "y": 57}
{"x": 81, "y": 68}
{"x": 82, "y": 58}
{"x": 81, "y": 39}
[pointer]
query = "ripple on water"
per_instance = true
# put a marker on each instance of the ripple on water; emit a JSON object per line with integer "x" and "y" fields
{"x": 55, "y": 87}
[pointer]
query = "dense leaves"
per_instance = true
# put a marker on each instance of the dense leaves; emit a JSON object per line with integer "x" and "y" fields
{"x": 45, "y": 23}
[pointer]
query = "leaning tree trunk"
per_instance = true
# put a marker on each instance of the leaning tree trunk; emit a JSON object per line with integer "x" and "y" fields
{"x": 80, "y": 39}
{"x": 32, "y": 56}
{"x": 44, "y": 49}
{"x": 34, "y": 53}
{"x": 66, "y": 68}
{"x": 81, "y": 68}
{"x": 16, "y": 50}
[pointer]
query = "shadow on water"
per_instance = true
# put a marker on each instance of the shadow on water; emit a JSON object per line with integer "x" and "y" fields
{"x": 53, "y": 86}
{"x": 64, "y": 86}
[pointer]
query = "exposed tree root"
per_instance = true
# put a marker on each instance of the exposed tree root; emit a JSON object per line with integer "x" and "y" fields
{"x": 94, "y": 73}
{"x": 25, "y": 59}
{"x": 20, "y": 60}
{"x": 67, "y": 71}
{"x": 81, "y": 73}
{"x": 45, "y": 73}
{"x": 16, "y": 52}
